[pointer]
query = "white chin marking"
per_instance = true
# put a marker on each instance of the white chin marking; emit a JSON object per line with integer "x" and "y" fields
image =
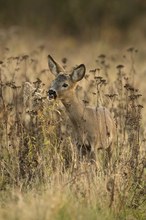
{"x": 51, "y": 97}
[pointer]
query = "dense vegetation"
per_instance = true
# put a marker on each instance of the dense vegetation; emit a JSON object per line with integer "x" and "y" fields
{"x": 41, "y": 176}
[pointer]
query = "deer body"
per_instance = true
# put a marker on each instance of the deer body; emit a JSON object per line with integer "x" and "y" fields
{"x": 94, "y": 127}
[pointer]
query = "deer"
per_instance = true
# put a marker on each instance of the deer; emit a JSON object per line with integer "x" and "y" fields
{"x": 94, "y": 127}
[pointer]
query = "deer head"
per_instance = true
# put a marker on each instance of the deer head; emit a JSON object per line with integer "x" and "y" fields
{"x": 64, "y": 83}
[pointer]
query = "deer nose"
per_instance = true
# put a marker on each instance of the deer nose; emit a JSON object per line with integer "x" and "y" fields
{"x": 52, "y": 94}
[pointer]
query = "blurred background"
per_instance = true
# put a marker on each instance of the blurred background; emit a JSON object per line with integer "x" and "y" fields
{"x": 80, "y": 30}
{"x": 113, "y": 19}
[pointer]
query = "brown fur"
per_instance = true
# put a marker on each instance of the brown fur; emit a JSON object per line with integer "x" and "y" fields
{"x": 94, "y": 127}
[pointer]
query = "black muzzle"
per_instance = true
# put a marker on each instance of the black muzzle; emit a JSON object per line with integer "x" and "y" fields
{"x": 52, "y": 94}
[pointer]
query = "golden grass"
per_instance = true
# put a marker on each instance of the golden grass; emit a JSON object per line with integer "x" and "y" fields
{"x": 41, "y": 176}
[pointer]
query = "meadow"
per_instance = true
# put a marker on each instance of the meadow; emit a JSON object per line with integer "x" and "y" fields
{"x": 41, "y": 176}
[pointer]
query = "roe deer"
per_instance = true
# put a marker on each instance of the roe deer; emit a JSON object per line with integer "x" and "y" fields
{"x": 94, "y": 127}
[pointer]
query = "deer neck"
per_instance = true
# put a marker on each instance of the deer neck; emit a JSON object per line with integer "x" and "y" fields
{"x": 75, "y": 110}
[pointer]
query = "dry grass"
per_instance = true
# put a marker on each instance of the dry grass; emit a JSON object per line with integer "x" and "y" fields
{"x": 40, "y": 174}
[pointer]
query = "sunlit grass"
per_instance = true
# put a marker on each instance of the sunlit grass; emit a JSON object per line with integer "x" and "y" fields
{"x": 41, "y": 176}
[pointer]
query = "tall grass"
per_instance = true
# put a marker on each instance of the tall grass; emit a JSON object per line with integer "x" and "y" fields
{"x": 41, "y": 176}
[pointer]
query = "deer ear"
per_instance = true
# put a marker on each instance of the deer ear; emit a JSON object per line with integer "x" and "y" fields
{"x": 78, "y": 73}
{"x": 54, "y": 67}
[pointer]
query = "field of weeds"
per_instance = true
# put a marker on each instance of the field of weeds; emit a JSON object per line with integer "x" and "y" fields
{"x": 41, "y": 176}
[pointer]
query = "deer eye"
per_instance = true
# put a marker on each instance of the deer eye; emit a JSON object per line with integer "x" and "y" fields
{"x": 65, "y": 85}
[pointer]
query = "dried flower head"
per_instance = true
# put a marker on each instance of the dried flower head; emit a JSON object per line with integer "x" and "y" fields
{"x": 64, "y": 60}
